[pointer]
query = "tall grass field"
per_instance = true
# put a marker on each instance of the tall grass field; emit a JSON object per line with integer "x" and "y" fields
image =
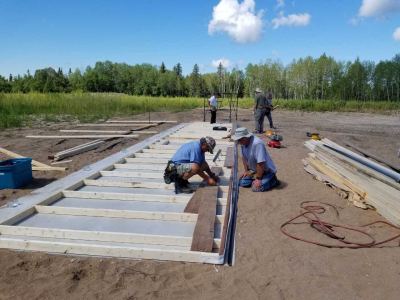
{"x": 21, "y": 109}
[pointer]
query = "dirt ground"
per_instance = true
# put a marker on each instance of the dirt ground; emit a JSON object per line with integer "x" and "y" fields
{"x": 268, "y": 264}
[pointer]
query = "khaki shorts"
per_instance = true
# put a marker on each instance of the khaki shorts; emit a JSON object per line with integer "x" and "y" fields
{"x": 186, "y": 167}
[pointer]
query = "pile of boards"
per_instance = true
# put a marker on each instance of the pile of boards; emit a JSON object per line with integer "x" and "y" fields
{"x": 364, "y": 182}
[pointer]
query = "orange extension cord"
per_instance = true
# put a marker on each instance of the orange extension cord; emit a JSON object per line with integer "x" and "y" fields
{"x": 311, "y": 213}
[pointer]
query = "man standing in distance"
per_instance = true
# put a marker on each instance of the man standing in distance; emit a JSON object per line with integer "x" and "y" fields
{"x": 213, "y": 106}
{"x": 260, "y": 108}
{"x": 259, "y": 169}
{"x": 269, "y": 109}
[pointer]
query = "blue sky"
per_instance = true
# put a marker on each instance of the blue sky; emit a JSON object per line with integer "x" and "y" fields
{"x": 75, "y": 33}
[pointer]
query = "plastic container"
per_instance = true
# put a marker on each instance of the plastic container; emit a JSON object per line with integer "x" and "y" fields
{"x": 15, "y": 173}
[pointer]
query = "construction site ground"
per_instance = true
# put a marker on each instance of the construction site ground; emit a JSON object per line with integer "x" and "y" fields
{"x": 268, "y": 265}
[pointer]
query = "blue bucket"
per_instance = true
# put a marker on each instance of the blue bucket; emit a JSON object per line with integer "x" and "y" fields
{"x": 15, "y": 173}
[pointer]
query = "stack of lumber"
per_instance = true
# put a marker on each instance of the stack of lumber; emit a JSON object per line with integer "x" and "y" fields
{"x": 365, "y": 183}
{"x": 77, "y": 150}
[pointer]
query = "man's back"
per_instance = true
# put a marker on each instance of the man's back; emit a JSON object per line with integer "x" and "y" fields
{"x": 260, "y": 101}
{"x": 189, "y": 153}
{"x": 256, "y": 152}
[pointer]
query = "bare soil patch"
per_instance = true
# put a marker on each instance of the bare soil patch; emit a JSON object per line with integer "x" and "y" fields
{"x": 268, "y": 264}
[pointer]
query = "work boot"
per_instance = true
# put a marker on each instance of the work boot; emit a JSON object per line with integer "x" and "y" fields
{"x": 183, "y": 186}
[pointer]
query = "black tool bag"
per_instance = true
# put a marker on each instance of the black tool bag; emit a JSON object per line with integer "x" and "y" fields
{"x": 170, "y": 173}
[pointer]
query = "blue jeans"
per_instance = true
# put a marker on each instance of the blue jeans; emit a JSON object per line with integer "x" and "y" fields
{"x": 268, "y": 181}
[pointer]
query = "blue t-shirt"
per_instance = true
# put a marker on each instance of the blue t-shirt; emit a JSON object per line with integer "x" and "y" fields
{"x": 189, "y": 153}
{"x": 256, "y": 152}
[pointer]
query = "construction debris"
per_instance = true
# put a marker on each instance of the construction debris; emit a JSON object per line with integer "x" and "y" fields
{"x": 77, "y": 150}
{"x": 36, "y": 165}
{"x": 366, "y": 183}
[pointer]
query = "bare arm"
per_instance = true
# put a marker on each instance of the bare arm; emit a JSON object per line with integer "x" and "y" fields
{"x": 260, "y": 169}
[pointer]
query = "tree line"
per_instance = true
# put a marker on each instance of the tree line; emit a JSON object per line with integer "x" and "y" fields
{"x": 304, "y": 78}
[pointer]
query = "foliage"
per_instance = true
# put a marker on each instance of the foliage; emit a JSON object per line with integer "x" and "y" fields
{"x": 321, "y": 78}
{"x": 20, "y": 109}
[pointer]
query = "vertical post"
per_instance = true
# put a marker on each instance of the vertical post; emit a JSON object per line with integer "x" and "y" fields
{"x": 230, "y": 109}
{"x": 149, "y": 109}
{"x": 237, "y": 105}
{"x": 204, "y": 109}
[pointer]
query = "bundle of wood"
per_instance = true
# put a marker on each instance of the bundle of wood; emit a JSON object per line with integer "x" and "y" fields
{"x": 365, "y": 183}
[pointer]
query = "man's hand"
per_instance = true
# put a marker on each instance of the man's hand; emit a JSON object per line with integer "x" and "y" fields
{"x": 215, "y": 177}
{"x": 211, "y": 181}
{"x": 246, "y": 174}
{"x": 257, "y": 183}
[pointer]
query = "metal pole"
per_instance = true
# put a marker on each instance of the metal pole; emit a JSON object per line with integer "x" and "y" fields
{"x": 230, "y": 110}
{"x": 204, "y": 109}
{"x": 237, "y": 105}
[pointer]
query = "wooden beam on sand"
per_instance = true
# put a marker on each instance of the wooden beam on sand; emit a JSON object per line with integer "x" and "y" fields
{"x": 83, "y": 248}
{"x": 90, "y": 235}
{"x": 116, "y": 213}
{"x": 96, "y": 131}
{"x": 77, "y": 150}
{"x": 115, "y": 125}
{"x": 141, "y": 121}
{"x": 203, "y": 235}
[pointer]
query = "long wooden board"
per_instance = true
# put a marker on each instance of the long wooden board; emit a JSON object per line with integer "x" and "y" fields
{"x": 203, "y": 236}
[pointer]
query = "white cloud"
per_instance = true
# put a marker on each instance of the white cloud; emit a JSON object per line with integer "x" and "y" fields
{"x": 225, "y": 62}
{"x": 396, "y": 34}
{"x": 280, "y": 3}
{"x": 378, "y": 8}
{"x": 291, "y": 20}
{"x": 239, "y": 20}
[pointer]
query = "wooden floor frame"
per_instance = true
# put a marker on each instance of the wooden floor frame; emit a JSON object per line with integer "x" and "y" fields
{"x": 150, "y": 157}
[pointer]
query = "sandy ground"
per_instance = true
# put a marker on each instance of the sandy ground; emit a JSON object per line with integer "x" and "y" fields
{"x": 268, "y": 264}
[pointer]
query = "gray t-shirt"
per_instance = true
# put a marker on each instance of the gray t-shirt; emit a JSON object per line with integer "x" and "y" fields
{"x": 256, "y": 152}
{"x": 260, "y": 101}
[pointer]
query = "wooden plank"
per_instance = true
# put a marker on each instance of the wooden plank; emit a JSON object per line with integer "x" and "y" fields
{"x": 162, "y": 161}
{"x": 115, "y": 213}
{"x": 95, "y": 131}
{"x": 144, "y": 127}
{"x": 180, "y": 198}
{"x": 15, "y": 155}
{"x": 117, "y": 237}
{"x": 77, "y": 150}
{"x": 154, "y": 175}
{"x": 194, "y": 203}
{"x": 110, "y": 251}
{"x": 133, "y": 184}
{"x": 148, "y": 167}
{"x": 19, "y": 217}
{"x": 100, "y": 136}
{"x": 166, "y": 155}
{"x": 127, "y": 196}
{"x": 141, "y": 121}
{"x": 112, "y": 125}
{"x": 203, "y": 236}
{"x": 49, "y": 168}
{"x": 61, "y": 162}
{"x": 80, "y": 146}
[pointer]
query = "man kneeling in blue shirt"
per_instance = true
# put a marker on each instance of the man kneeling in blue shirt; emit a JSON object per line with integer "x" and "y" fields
{"x": 189, "y": 160}
{"x": 259, "y": 169}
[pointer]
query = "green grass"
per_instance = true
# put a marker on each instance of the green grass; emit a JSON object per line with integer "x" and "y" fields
{"x": 21, "y": 109}
{"x": 331, "y": 105}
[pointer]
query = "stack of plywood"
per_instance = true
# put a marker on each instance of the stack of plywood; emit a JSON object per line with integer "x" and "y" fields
{"x": 365, "y": 183}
